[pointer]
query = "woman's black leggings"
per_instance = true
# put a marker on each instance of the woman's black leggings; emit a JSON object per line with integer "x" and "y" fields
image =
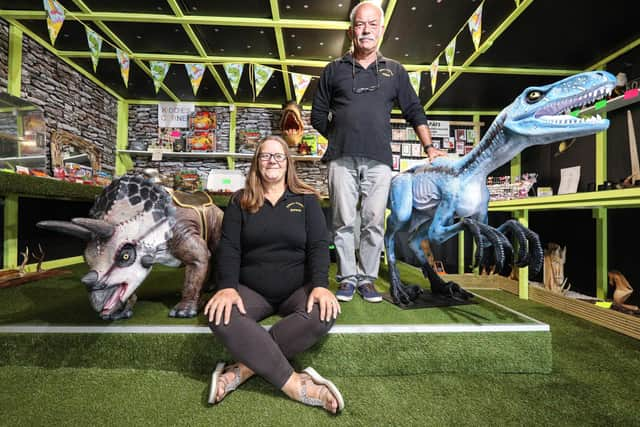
{"x": 267, "y": 352}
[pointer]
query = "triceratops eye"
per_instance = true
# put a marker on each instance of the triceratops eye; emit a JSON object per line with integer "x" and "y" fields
{"x": 534, "y": 96}
{"x": 126, "y": 256}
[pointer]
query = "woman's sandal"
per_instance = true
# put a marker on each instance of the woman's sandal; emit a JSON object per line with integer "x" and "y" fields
{"x": 319, "y": 380}
{"x": 228, "y": 387}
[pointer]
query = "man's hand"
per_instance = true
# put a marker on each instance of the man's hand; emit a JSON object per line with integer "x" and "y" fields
{"x": 433, "y": 152}
{"x": 329, "y": 305}
{"x": 221, "y": 303}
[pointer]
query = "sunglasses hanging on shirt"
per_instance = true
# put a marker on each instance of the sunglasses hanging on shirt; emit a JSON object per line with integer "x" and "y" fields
{"x": 364, "y": 89}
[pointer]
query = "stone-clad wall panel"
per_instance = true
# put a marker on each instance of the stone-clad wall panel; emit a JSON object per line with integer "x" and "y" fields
{"x": 4, "y": 55}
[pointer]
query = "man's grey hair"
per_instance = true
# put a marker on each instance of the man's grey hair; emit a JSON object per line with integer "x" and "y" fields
{"x": 352, "y": 15}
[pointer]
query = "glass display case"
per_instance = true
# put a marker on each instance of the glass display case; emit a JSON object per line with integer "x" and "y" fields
{"x": 22, "y": 134}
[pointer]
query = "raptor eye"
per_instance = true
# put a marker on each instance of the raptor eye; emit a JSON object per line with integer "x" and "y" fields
{"x": 126, "y": 256}
{"x": 534, "y": 96}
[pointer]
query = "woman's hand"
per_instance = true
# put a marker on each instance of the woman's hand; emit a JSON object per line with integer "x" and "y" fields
{"x": 329, "y": 305}
{"x": 221, "y": 303}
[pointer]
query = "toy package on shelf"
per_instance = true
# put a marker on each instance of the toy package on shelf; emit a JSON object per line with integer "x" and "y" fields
{"x": 102, "y": 178}
{"x": 502, "y": 187}
{"x": 187, "y": 180}
{"x": 201, "y": 141}
{"x": 225, "y": 181}
{"x": 308, "y": 145}
{"x": 202, "y": 120}
{"x": 248, "y": 140}
{"x": 75, "y": 172}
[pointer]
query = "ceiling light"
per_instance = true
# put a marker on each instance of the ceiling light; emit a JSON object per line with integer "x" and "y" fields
{"x": 248, "y": 46}
{"x": 321, "y": 43}
{"x": 396, "y": 38}
{"x": 288, "y": 6}
{"x": 293, "y": 36}
{"x": 221, "y": 49}
{"x": 339, "y": 4}
{"x": 139, "y": 37}
{"x": 306, "y": 6}
{"x": 429, "y": 25}
{"x": 413, "y": 8}
{"x": 406, "y": 54}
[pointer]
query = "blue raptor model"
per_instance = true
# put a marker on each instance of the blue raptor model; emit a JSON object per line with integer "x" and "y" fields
{"x": 436, "y": 201}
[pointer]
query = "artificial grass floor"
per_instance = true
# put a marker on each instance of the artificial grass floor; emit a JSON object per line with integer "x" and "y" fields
{"x": 594, "y": 382}
{"x": 64, "y": 301}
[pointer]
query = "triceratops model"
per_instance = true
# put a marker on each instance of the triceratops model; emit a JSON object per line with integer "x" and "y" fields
{"x": 437, "y": 201}
{"x": 134, "y": 224}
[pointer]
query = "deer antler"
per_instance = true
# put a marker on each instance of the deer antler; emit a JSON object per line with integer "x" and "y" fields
{"x": 25, "y": 260}
{"x": 39, "y": 257}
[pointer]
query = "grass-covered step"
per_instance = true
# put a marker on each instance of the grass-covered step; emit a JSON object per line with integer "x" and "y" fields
{"x": 50, "y": 324}
{"x": 336, "y": 354}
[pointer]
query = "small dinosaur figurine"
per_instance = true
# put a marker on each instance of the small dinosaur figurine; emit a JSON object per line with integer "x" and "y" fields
{"x": 436, "y": 201}
{"x": 135, "y": 223}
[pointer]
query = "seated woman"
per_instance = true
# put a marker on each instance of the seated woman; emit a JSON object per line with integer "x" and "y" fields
{"x": 273, "y": 258}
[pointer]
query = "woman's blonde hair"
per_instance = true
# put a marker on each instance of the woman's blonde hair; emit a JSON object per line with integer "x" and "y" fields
{"x": 253, "y": 195}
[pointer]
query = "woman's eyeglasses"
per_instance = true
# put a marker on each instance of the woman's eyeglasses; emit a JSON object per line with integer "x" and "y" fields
{"x": 278, "y": 157}
{"x": 364, "y": 89}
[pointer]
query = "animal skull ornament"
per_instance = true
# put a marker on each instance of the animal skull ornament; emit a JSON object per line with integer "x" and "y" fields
{"x": 291, "y": 124}
{"x": 134, "y": 224}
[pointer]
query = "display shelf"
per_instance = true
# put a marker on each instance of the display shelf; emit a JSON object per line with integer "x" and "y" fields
{"x": 625, "y": 198}
{"x": 208, "y": 155}
{"x": 628, "y": 98}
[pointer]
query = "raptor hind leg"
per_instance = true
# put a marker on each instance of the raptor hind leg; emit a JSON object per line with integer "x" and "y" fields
{"x": 438, "y": 285}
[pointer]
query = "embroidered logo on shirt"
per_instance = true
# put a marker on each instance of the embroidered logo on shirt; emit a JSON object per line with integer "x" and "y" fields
{"x": 386, "y": 72}
{"x": 295, "y": 207}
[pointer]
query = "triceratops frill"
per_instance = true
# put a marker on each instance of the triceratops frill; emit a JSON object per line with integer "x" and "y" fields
{"x": 134, "y": 224}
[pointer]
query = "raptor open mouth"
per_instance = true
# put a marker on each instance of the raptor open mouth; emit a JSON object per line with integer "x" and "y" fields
{"x": 559, "y": 112}
{"x": 115, "y": 300}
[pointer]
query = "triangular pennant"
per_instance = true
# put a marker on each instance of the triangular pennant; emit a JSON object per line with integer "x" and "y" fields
{"x": 158, "y": 72}
{"x": 55, "y": 18}
{"x": 300, "y": 84}
{"x": 414, "y": 78}
{"x": 195, "y": 73}
{"x": 234, "y": 72}
{"x": 261, "y": 75}
{"x": 123, "y": 60}
{"x": 95, "y": 45}
{"x": 475, "y": 26}
{"x": 449, "y": 53}
{"x": 434, "y": 73}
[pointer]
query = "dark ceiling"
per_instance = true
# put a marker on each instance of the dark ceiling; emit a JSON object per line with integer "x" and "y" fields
{"x": 524, "y": 42}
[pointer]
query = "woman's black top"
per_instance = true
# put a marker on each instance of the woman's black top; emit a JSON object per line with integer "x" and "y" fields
{"x": 276, "y": 250}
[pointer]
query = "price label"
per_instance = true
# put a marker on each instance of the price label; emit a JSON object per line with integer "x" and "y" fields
{"x": 156, "y": 155}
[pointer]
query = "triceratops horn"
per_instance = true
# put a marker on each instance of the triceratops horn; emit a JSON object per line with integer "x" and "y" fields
{"x": 100, "y": 228}
{"x": 67, "y": 228}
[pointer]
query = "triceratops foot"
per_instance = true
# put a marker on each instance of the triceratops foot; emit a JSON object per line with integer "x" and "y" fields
{"x": 184, "y": 309}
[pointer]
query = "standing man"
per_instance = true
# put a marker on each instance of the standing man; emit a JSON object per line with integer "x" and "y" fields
{"x": 352, "y": 109}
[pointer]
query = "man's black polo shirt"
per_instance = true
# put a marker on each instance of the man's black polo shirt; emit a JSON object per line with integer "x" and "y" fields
{"x": 358, "y": 124}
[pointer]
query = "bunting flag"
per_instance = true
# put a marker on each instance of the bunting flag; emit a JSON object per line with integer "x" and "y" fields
{"x": 55, "y": 18}
{"x": 158, "y": 72}
{"x": 261, "y": 75}
{"x": 123, "y": 60}
{"x": 95, "y": 45}
{"x": 414, "y": 78}
{"x": 195, "y": 72}
{"x": 449, "y": 53}
{"x": 475, "y": 26}
{"x": 234, "y": 72}
{"x": 434, "y": 73}
{"x": 300, "y": 84}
